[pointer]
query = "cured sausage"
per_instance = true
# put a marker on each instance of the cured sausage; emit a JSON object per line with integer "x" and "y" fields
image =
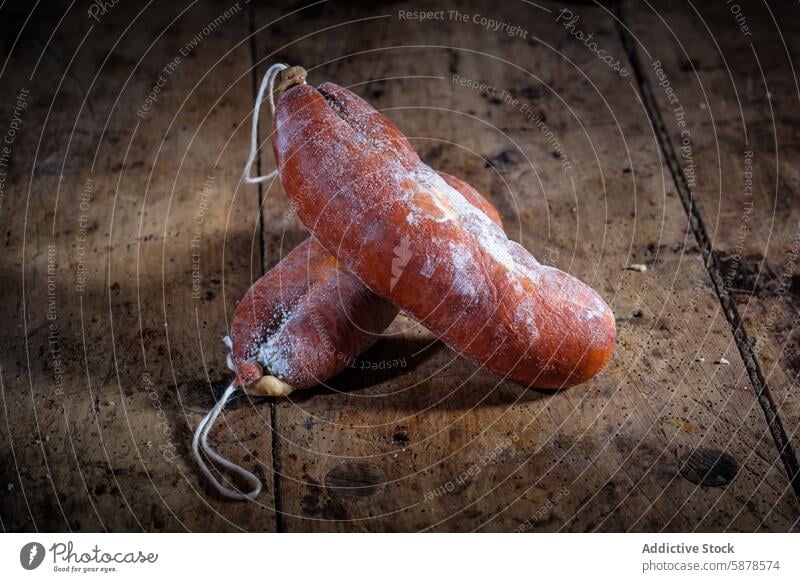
{"x": 361, "y": 189}
{"x": 308, "y": 318}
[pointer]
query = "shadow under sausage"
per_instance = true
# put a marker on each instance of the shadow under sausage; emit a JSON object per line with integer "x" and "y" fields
{"x": 389, "y": 359}
{"x": 418, "y": 374}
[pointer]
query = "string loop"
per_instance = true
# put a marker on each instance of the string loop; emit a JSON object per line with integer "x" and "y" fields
{"x": 200, "y": 439}
{"x": 268, "y": 87}
{"x": 200, "y": 443}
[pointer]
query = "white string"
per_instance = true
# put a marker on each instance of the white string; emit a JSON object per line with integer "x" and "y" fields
{"x": 267, "y": 86}
{"x": 200, "y": 442}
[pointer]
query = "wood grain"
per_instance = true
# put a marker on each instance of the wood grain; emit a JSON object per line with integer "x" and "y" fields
{"x": 742, "y": 106}
{"x": 170, "y": 245}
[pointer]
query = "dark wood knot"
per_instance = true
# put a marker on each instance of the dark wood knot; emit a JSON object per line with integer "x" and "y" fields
{"x": 708, "y": 467}
{"x": 355, "y": 480}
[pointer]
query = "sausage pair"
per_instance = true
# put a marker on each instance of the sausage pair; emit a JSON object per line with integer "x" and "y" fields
{"x": 308, "y": 318}
{"x": 358, "y": 185}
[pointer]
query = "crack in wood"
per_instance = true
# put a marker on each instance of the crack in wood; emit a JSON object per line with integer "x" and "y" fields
{"x": 273, "y": 412}
{"x": 786, "y": 451}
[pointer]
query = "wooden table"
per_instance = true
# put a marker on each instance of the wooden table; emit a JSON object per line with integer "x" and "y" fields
{"x": 663, "y": 171}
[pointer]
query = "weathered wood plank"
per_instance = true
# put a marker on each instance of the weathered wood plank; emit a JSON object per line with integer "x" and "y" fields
{"x": 418, "y": 439}
{"x": 152, "y": 244}
{"x": 733, "y": 114}
{"x": 430, "y": 442}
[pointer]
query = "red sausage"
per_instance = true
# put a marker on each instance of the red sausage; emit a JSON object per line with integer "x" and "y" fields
{"x": 356, "y": 183}
{"x": 306, "y": 319}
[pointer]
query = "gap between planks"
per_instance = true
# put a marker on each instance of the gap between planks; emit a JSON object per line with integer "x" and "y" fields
{"x": 787, "y": 453}
{"x": 273, "y": 409}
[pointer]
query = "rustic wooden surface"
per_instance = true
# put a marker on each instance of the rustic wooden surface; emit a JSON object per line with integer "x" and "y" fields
{"x": 142, "y": 355}
{"x": 741, "y": 90}
{"x": 411, "y": 438}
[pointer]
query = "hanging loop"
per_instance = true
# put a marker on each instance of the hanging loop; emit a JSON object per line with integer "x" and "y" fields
{"x": 268, "y": 87}
{"x": 200, "y": 443}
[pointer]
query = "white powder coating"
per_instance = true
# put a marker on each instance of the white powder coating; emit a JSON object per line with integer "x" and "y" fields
{"x": 301, "y": 322}
{"x": 468, "y": 278}
{"x": 470, "y": 284}
{"x": 274, "y": 356}
{"x": 465, "y": 271}
{"x": 281, "y": 354}
{"x": 428, "y": 197}
{"x": 453, "y": 207}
